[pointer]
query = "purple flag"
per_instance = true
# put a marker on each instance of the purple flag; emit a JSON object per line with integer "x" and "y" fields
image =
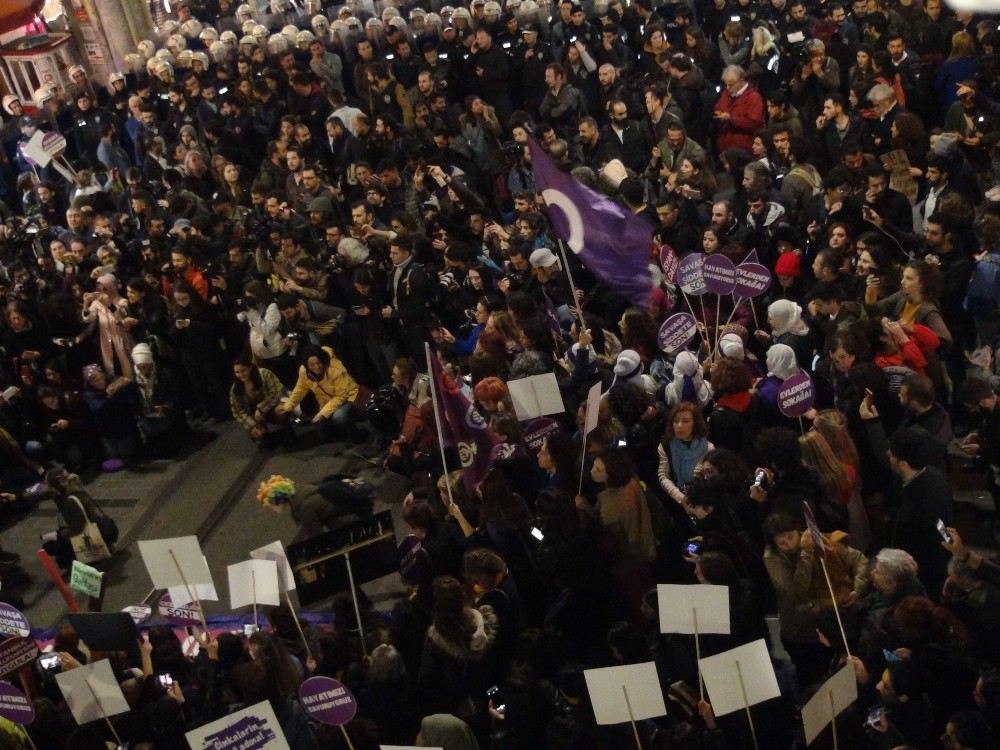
{"x": 463, "y": 427}
{"x": 611, "y": 242}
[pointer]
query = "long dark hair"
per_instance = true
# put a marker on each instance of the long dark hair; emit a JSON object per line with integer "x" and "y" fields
{"x": 198, "y": 305}
{"x": 246, "y": 359}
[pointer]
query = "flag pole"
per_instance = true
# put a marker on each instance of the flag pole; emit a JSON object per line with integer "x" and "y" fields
{"x": 437, "y": 423}
{"x": 569, "y": 275}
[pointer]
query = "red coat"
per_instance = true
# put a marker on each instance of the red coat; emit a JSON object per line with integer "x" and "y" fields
{"x": 746, "y": 117}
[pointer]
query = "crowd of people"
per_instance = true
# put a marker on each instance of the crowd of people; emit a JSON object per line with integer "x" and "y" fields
{"x": 272, "y": 210}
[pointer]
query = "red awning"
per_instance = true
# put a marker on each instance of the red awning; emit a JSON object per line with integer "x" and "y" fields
{"x": 16, "y": 13}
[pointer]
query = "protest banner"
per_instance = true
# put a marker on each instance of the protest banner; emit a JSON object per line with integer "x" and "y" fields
{"x": 669, "y": 262}
{"x": 179, "y": 614}
{"x": 275, "y": 551}
{"x": 253, "y": 728}
{"x": 755, "y": 681}
{"x": 795, "y": 397}
{"x": 15, "y": 705}
{"x": 676, "y": 332}
{"x": 628, "y": 693}
{"x": 835, "y": 695}
{"x": 92, "y": 692}
{"x": 86, "y": 580}
{"x": 15, "y": 652}
{"x": 178, "y": 562}
{"x": 534, "y": 432}
{"x": 535, "y": 396}
{"x": 752, "y": 280}
{"x": 693, "y": 610}
{"x": 13, "y": 621}
{"x": 253, "y": 582}
{"x": 329, "y": 702}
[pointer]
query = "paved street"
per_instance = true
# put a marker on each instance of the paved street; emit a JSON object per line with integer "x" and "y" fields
{"x": 211, "y": 493}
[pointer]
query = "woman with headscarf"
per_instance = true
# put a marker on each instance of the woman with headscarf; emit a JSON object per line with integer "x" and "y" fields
{"x": 781, "y": 365}
{"x": 787, "y": 327}
{"x": 447, "y": 732}
{"x": 105, "y": 309}
{"x": 688, "y": 383}
{"x": 628, "y": 369}
{"x": 161, "y": 419}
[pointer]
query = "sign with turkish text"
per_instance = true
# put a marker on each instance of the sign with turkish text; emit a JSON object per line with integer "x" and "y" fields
{"x": 676, "y": 332}
{"x": 795, "y": 397}
{"x": 327, "y": 701}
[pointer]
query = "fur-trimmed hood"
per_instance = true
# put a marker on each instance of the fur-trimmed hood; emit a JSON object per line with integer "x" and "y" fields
{"x": 480, "y": 642}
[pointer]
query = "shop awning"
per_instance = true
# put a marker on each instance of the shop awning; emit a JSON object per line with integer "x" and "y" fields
{"x": 17, "y": 13}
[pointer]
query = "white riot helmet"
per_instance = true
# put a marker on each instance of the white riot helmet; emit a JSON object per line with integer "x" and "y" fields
{"x": 446, "y": 12}
{"x": 277, "y": 43}
{"x": 261, "y": 34}
{"x": 247, "y": 41}
{"x": 191, "y": 28}
{"x": 176, "y": 42}
{"x": 291, "y": 33}
{"x": 229, "y": 38}
{"x": 304, "y": 39}
{"x": 320, "y": 25}
{"x": 432, "y": 21}
{"x": 390, "y": 11}
{"x": 399, "y": 22}
{"x": 199, "y": 57}
{"x": 184, "y": 58}
{"x": 279, "y": 6}
{"x": 353, "y": 23}
{"x": 244, "y": 13}
{"x": 601, "y": 7}
{"x": 152, "y": 64}
{"x": 164, "y": 70}
{"x": 491, "y": 10}
{"x": 170, "y": 26}
{"x": 133, "y": 62}
{"x": 312, "y": 7}
{"x": 165, "y": 55}
{"x": 248, "y": 27}
{"x": 218, "y": 51}
{"x": 374, "y": 27}
{"x": 462, "y": 13}
{"x": 208, "y": 35}
{"x": 8, "y": 102}
{"x": 47, "y": 94}
{"x": 146, "y": 48}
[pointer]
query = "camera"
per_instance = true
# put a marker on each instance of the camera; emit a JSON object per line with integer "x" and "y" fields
{"x": 165, "y": 680}
{"x": 760, "y": 480}
{"x": 496, "y": 696}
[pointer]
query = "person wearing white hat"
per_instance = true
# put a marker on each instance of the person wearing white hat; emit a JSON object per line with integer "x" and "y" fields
{"x": 161, "y": 421}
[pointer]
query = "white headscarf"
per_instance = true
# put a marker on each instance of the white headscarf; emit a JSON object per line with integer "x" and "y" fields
{"x": 781, "y": 361}
{"x": 731, "y": 346}
{"x": 787, "y": 317}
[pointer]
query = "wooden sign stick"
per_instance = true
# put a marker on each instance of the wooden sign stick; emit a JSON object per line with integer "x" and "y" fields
{"x": 746, "y": 705}
{"x": 631, "y": 718}
{"x": 192, "y": 594}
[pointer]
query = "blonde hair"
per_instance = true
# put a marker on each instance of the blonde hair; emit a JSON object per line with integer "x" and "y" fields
{"x": 832, "y": 425}
{"x": 816, "y": 452}
{"x": 962, "y": 45}
{"x": 763, "y": 41}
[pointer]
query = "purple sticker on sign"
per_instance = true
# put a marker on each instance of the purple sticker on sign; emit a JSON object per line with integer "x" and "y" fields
{"x": 15, "y": 653}
{"x": 14, "y": 705}
{"x": 12, "y": 622}
{"x": 795, "y": 397}
{"x": 327, "y": 701}
{"x": 689, "y": 274}
{"x": 534, "y": 431}
{"x": 752, "y": 280}
{"x": 668, "y": 262}
{"x": 676, "y": 331}
{"x": 719, "y": 273}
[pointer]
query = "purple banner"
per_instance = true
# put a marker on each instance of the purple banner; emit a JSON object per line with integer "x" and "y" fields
{"x": 327, "y": 701}
{"x": 14, "y": 705}
{"x": 752, "y": 280}
{"x": 15, "y": 653}
{"x": 13, "y": 622}
{"x": 795, "y": 397}
{"x": 689, "y": 274}
{"x": 719, "y": 273}
{"x": 676, "y": 332}
{"x": 668, "y": 262}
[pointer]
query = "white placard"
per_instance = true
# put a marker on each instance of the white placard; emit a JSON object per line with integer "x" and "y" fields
{"x": 644, "y": 693}
{"x": 276, "y": 551}
{"x": 159, "y": 556}
{"x": 255, "y": 727}
{"x": 203, "y": 591}
{"x": 816, "y": 713}
{"x": 593, "y": 408}
{"x": 253, "y": 581}
{"x": 536, "y": 396}
{"x": 33, "y": 149}
{"x": 92, "y": 692}
{"x": 678, "y": 604}
{"x": 722, "y": 677}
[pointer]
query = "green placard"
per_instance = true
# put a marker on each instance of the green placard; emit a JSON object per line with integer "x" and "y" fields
{"x": 85, "y": 579}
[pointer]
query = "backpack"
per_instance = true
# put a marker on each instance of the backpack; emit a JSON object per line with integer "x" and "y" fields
{"x": 982, "y": 296}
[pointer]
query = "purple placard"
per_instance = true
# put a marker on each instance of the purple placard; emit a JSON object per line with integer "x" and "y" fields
{"x": 669, "y": 262}
{"x": 689, "y": 274}
{"x": 327, "y": 701}
{"x": 14, "y": 705}
{"x": 534, "y": 431}
{"x": 54, "y": 144}
{"x": 752, "y": 280}
{"x": 15, "y": 653}
{"x": 179, "y": 615}
{"x": 12, "y": 622}
{"x": 676, "y": 332}
{"x": 719, "y": 273}
{"x": 795, "y": 397}
{"x": 407, "y": 552}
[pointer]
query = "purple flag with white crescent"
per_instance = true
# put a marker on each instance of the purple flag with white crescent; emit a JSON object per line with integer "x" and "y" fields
{"x": 613, "y": 243}
{"x": 463, "y": 427}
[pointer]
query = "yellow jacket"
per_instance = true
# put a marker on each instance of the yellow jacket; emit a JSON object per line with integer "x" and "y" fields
{"x": 332, "y": 391}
